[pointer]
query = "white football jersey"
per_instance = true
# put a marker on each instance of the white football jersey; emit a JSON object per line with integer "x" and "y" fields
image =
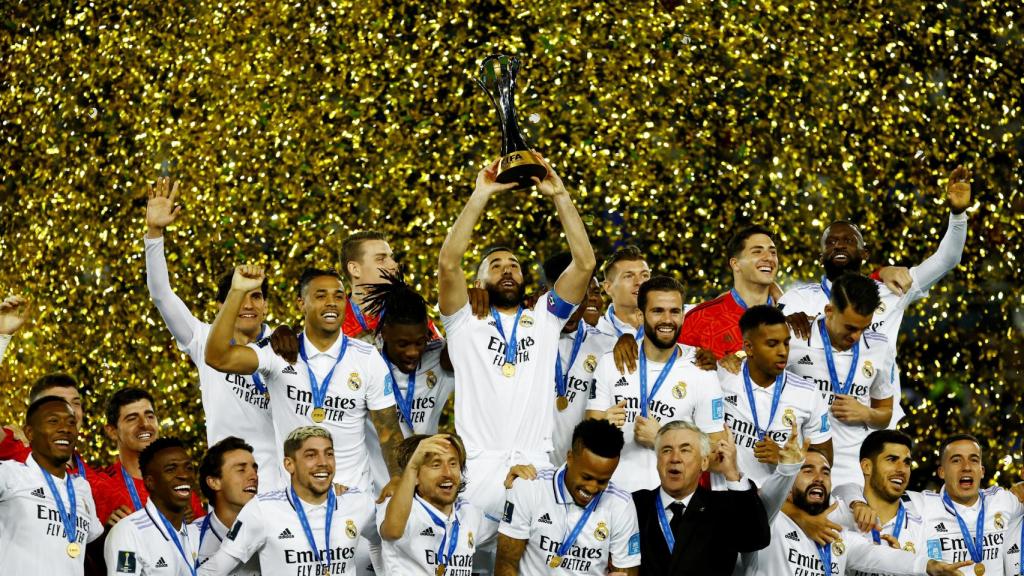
{"x": 212, "y": 533}
{"x": 872, "y": 380}
{"x": 543, "y": 513}
{"x": 361, "y": 382}
{"x": 910, "y": 528}
{"x": 140, "y": 544}
{"x": 416, "y": 552}
{"x": 799, "y": 401}
{"x": 579, "y": 384}
{"x": 498, "y": 412}
{"x": 1012, "y": 556}
{"x": 943, "y": 539}
{"x": 269, "y": 527}
{"x": 32, "y": 537}
{"x": 610, "y": 325}
{"x": 688, "y": 393}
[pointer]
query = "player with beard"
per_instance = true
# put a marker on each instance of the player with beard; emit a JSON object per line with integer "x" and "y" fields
{"x": 623, "y": 274}
{"x": 158, "y": 538}
{"x": 843, "y": 250}
{"x": 366, "y": 257}
{"x": 793, "y": 552}
{"x": 427, "y": 527}
{"x": 228, "y": 479}
{"x": 504, "y": 364}
{"x": 667, "y": 386}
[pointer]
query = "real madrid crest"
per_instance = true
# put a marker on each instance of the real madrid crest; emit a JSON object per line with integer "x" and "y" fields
{"x": 601, "y": 532}
{"x": 1000, "y": 521}
{"x": 350, "y": 530}
{"x": 590, "y": 364}
{"x": 431, "y": 379}
{"x": 354, "y": 382}
{"x": 469, "y": 539}
{"x": 788, "y": 417}
{"x": 526, "y": 321}
{"x": 909, "y": 547}
{"x": 679, "y": 391}
{"x": 869, "y": 369}
{"x": 839, "y": 547}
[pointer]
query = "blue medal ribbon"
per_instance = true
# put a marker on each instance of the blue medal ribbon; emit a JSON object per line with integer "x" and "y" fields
{"x": 80, "y": 464}
{"x": 319, "y": 389}
{"x": 443, "y": 557}
{"x": 666, "y": 530}
{"x": 192, "y": 563}
{"x": 901, "y": 514}
{"x": 511, "y": 345}
{"x": 129, "y": 483}
{"x": 610, "y": 317}
{"x": 358, "y": 313}
{"x": 69, "y": 515}
{"x": 825, "y": 555}
{"x": 332, "y": 501}
{"x": 562, "y": 380}
{"x": 825, "y": 288}
{"x": 780, "y": 382}
{"x": 404, "y": 402}
{"x": 975, "y": 546}
{"x": 838, "y": 388}
{"x": 1020, "y": 560}
{"x": 645, "y": 397}
{"x": 739, "y": 299}
{"x": 569, "y": 540}
{"x": 257, "y": 382}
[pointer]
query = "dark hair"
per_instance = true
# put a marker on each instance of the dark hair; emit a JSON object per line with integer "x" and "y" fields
{"x": 309, "y": 274}
{"x": 554, "y": 266}
{"x": 657, "y": 284}
{"x": 598, "y": 436}
{"x": 629, "y": 253}
{"x": 124, "y": 397}
{"x": 760, "y": 315}
{"x": 857, "y": 290}
{"x": 875, "y": 442}
{"x": 352, "y": 247}
{"x": 394, "y": 302}
{"x": 213, "y": 462}
{"x": 738, "y": 241}
{"x": 956, "y": 438}
{"x": 224, "y": 286}
{"x": 406, "y": 447}
{"x": 155, "y": 447}
{"x": 38, "y": 403}
{"x": 54, "y": 380}
{"x": 817, "y": 450}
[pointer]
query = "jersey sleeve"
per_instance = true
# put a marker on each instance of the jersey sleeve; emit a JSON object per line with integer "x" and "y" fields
{"x": 456, "y": 320}
{"x": 709, "y": 410}
{"x": 121, "y": 550}
{"x": 776, "y": 488}
{"x": 247, "y": 535}
{"x": 625, "y": 543}
{"x": 817, "y": 429}
{"x": 864, "y": 555}
{"x": 5, "y": 478}
{"x": 515, "y": 517}
{"x": 379, "y": 383}
{"x": 882, "y": 386}
{"x": 269, "y": 361}
{"x": 604, "y": 378}
{"x": 175, "y": 313}
{"x": 945, "y": 258}
{"x": 556, "y": 306}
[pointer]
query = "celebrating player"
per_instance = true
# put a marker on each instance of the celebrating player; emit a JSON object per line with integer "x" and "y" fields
{"x": 366, "y": 258}
{"x": 623, "y": 274}
{"x": 228, "y": 479}
{"x": 13, "y": 315}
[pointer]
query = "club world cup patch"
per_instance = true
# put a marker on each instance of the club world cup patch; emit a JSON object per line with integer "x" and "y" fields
{"x": 935, "y": 549}
{"x": 233, "y": 533}
{"x": 788, "y": 417}
{"x": 825, "y": 426}
{"x": 389, "y": 384}
{"x": 634, "y": 544}
{"x": 838, "y": 547}
{"x": 679, "y": 391}
{"x": 1000, "y": 520}
{"x": 506, "y": 515}
{"x": 869, "y": 369}
{"x": 601, "y": 532}
{"x": 526, "y": 321}
{"x": 354, "y": 382}
{"x": 590, "y": 364}
{"x": 431, "y": 379}
{"x": 350, "y": 530}
{"x": 126, "y": 561}
{"x": 717, "y": 409}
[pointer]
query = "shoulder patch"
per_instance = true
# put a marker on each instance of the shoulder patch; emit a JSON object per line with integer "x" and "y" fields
{"x": 506, "y": 514}
{"x": 634, "y": 544}
{"x": 717, "y": 409}
{"x": 126, "y": 562}
{"x": 264, "y": 342}
{"x": 235, "y": 528}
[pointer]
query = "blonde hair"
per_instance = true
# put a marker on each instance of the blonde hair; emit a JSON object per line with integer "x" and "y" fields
{"x": 296, "y": 438}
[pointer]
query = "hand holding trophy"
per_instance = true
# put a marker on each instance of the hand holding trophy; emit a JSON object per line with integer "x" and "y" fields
{"x": 518, "y": 163}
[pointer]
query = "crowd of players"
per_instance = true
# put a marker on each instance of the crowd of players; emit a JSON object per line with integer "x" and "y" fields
{"x": 750, "y": 434}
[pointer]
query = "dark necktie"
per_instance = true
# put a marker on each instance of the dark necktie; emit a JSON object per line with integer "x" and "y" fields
{"x": 676, "y": 523}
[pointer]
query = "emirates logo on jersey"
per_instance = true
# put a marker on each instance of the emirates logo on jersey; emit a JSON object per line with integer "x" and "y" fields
{"x": 354, "y": 382}
{"x": 869, "y": 369}
{"x": 679, "y": 391}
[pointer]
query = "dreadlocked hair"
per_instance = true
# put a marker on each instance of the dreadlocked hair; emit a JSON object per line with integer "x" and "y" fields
{"x": 394, "y": 302}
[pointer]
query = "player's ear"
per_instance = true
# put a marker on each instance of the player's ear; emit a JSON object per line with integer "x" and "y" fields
{"x": 866, "y": 467}
{"x": 289, "y": 465}
{"x": 734, "y": 264}
{"x": 111, "y": 432}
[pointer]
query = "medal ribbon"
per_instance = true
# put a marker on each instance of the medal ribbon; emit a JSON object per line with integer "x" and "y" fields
{"x": 562, "y": 380}
{"x": 358, "y": 313}
{"x": 666, "y": 530}
{"x": 81, "y": 466}
{"x": 974, "y": 546}
{"x": 404, "y": 402}
{"x": 610, "y": 317}
{"x": 443, "y": 557}
{"x": 511, "y": 346}
{"x": 192, "y": 563}
{"x": 833, "y": 376}
{"x": 129, "y": 483}
{"x": 825, "y": 288}
{"x": 900, "y": 515}
{"x": 569, "y": 540}
{"x": 739, "y": 299}
{"x": 69, "y": 515}
{"x": 780, "y": 382}
{"x": 319, "y": 389}
{"x": 1020, "y": 560}
{"x": 644, "y": 396}
{"x": 257, "y": 382}
{"x": 331, "y": 504}
{"x": 825, "y": 555}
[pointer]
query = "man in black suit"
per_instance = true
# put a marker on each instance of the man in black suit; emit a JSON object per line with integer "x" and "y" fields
{"x": 685, "y": 529}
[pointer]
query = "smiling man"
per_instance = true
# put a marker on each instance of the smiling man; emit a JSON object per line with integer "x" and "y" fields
{"x": 623, "y": 274}
{"x": 228, "y": 479}
{"x": 158, "y": 540}
{"x": 366, "y": 258}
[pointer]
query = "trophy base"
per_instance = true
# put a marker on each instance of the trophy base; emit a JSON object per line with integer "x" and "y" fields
{"x": 520, "y": 167}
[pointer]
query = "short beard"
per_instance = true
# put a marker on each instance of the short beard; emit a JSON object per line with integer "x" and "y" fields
{"x": 499, "y": 299}
{"x": 650, "y": 330}
{"x": 800, "y": 501}
{"x": 833, "y": 270}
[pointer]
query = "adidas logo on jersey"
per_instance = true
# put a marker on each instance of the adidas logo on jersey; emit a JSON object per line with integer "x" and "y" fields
{"x": 621, "y": 382}
{"x": 285, "y": 534}
{"x": 161, "y": 563}
{"x": 793, "y": 536}
{"x": 731, "y": 400}
{"x": 1013, "y": 549}
{"x": 289, "y": 370}
{"x": 805, "y": 361}
{"x": 427, "y": 532}
{"x": 545, "y": 519}
{"x": 940, "y": 527}
{"x": 38, "y": 493}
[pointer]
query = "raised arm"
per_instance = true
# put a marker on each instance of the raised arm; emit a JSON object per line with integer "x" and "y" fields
{"x": 221, "y": 354}
{"x": 451, "y": 286}
{"x": 951, "y": 248}
{"x": 397, "y": 513}
{"x": 161, "y": 212}
{"x": 13, "y": 314}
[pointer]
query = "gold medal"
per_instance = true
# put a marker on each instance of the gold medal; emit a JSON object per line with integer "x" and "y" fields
{"x": 508, "y": 370}
{"x": 556, "y": 561}
{"x": 979, "y": 569}
{"x": 441, "y": 568}
{"x": 74, "y": 549}
{"x": 562, "y": 402}
{"x": 319, "y": 414}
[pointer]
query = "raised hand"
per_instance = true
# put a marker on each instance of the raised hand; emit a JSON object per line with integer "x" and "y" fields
{"x": 794, "y": 451}
{"x": 436, "y": 444}
{"x": 486, "y": 183}
{"x": 161, "y": 210}
{"x": 247, "y": 278}
{"x": 13, "y": 314}
{"x": 723, "y": 456}
{"x": 551, "y": 185}
{"x": 897, "y": 279}
{"x": 958, "y": 190}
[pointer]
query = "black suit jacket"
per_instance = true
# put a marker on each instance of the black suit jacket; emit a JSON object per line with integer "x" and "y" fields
{"x": 716, "y": 526}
